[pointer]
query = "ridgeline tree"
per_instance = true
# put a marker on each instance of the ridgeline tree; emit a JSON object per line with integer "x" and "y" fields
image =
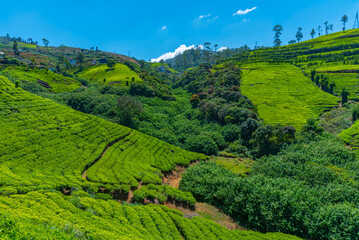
{"x": 312, "y": 33}
{"x": 319, "y": 30}
{"x": 344, "y": 20}
{"x": 207, "y": 51}
{"x": 326, "y": 27}
{"x": 299, "y": 34}
{"x": 45, "y": 41}
{"x": 277, "y": 32}
{"x": 16, "y": 50}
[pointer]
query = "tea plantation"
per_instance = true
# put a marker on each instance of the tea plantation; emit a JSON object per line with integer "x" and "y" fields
{"x": 47, "y": 148}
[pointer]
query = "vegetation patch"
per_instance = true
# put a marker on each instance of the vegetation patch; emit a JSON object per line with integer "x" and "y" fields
{"x": 283, "y": 95}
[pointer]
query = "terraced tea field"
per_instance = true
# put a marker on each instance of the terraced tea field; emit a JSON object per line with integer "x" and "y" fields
{"x": 120, "y": 74}
{"x": 51, "y": 215}
{"x": 283, "y": 94}
{"x": 46, "y": 147}
{"x": 344, "y": 76}
{"x": 53, "y": 81}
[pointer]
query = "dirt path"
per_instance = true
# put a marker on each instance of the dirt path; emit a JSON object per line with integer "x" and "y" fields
{"x": 130, "y": 194}
{"x": 205, "y": 210}
{"x": 84, "y": 172}
{"x": 174, "y": 177}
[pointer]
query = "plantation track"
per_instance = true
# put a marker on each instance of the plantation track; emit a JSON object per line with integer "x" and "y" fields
{"x": 84, "y": 172}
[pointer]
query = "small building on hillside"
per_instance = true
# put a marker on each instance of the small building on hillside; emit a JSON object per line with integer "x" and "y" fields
{"x": 2, "y": 54}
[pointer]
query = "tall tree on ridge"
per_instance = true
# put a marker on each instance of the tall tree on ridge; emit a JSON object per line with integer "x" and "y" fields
{"x": 299, "y": 34}
{"x": 344, "y": 20}
{"x": 312, "y": 33}
{"x": 16, "y": 50}
{"x": 45, "y": 41}
{"x": 319, "y": 30}
{"x": 208, "y": 50}
{"x": 277, "y": 32}
{"x": 326, "y": 27}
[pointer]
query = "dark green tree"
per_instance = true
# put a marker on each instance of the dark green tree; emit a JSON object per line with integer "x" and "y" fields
{"x": 299, "y": 34}
{"x": 355, "y": 113}
{"x": 130, "y": 110}
{"x": 312, "y": 33}
{"x": 319, "y": 30}
{"x": 16, "y": 50}
{"x": 344, "y": 20}
{"x": 344, "y": 94}
{"x": 207, "y": 51}
{"x": 312, "y": 75}
{"x": 45, "y": 41}
{"x": 80, "y": 58}
{"x": 277, "y": 32}
{"x": 111, "y": 63}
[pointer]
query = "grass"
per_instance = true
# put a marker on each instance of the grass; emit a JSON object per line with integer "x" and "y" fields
{"x": 283, "y": 95}
{"x": 120, "y": 74}
{"x": 25, "y": 45}
{"x": 235, "y": 165}
{"x": 58, "y": 83}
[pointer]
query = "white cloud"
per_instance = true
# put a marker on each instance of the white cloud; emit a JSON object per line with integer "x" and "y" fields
{"x": 244, "y": 12}
{"x": 170, "y": 55}
{"x": 204, "y": 16}
{"x": 222, "y": 49}
{"x": 164, "y": 28}
{"x": 245, "y": 20}
{"x": 179, "y": 51}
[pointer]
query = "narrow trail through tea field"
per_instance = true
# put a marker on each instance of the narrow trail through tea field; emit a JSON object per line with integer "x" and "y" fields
{"x": 84, "y": 172}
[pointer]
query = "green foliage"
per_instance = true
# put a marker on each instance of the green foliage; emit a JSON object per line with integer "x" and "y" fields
{"x": 141, "y": 89}
{"x": 202, "y": 144}
{"x": 309, "y": 189}
{"x": 111, "y": 63}
{"x": 163, "y": 194}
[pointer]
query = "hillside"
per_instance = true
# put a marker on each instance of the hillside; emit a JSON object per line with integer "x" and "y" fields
{"x": 283, "y": 95}
{"x": 61, "y": 168}
{"x": 120, "y": 74}
{"x": 54, "y": 82}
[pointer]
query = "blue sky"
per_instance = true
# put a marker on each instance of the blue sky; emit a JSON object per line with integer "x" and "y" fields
{"x": 150, "y": 28}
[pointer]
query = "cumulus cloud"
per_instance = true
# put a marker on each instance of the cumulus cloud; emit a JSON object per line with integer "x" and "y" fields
{"x": 170, "y": 55}
{"x": 164, "y": 28}
{"x": 222, "y": 49}
{"x": 179, "y": 51}
{"x": 244, "y": 12}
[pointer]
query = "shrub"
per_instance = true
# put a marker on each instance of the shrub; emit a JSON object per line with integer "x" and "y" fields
{"x": 202, "y": 144}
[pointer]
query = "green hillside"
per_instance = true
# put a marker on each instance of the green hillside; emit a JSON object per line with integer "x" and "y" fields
{"x": 47, "y": 148}
{"x": 120, "y": 74}
{"x": 283, "y": 95}
{"x": 51, "y": 80}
